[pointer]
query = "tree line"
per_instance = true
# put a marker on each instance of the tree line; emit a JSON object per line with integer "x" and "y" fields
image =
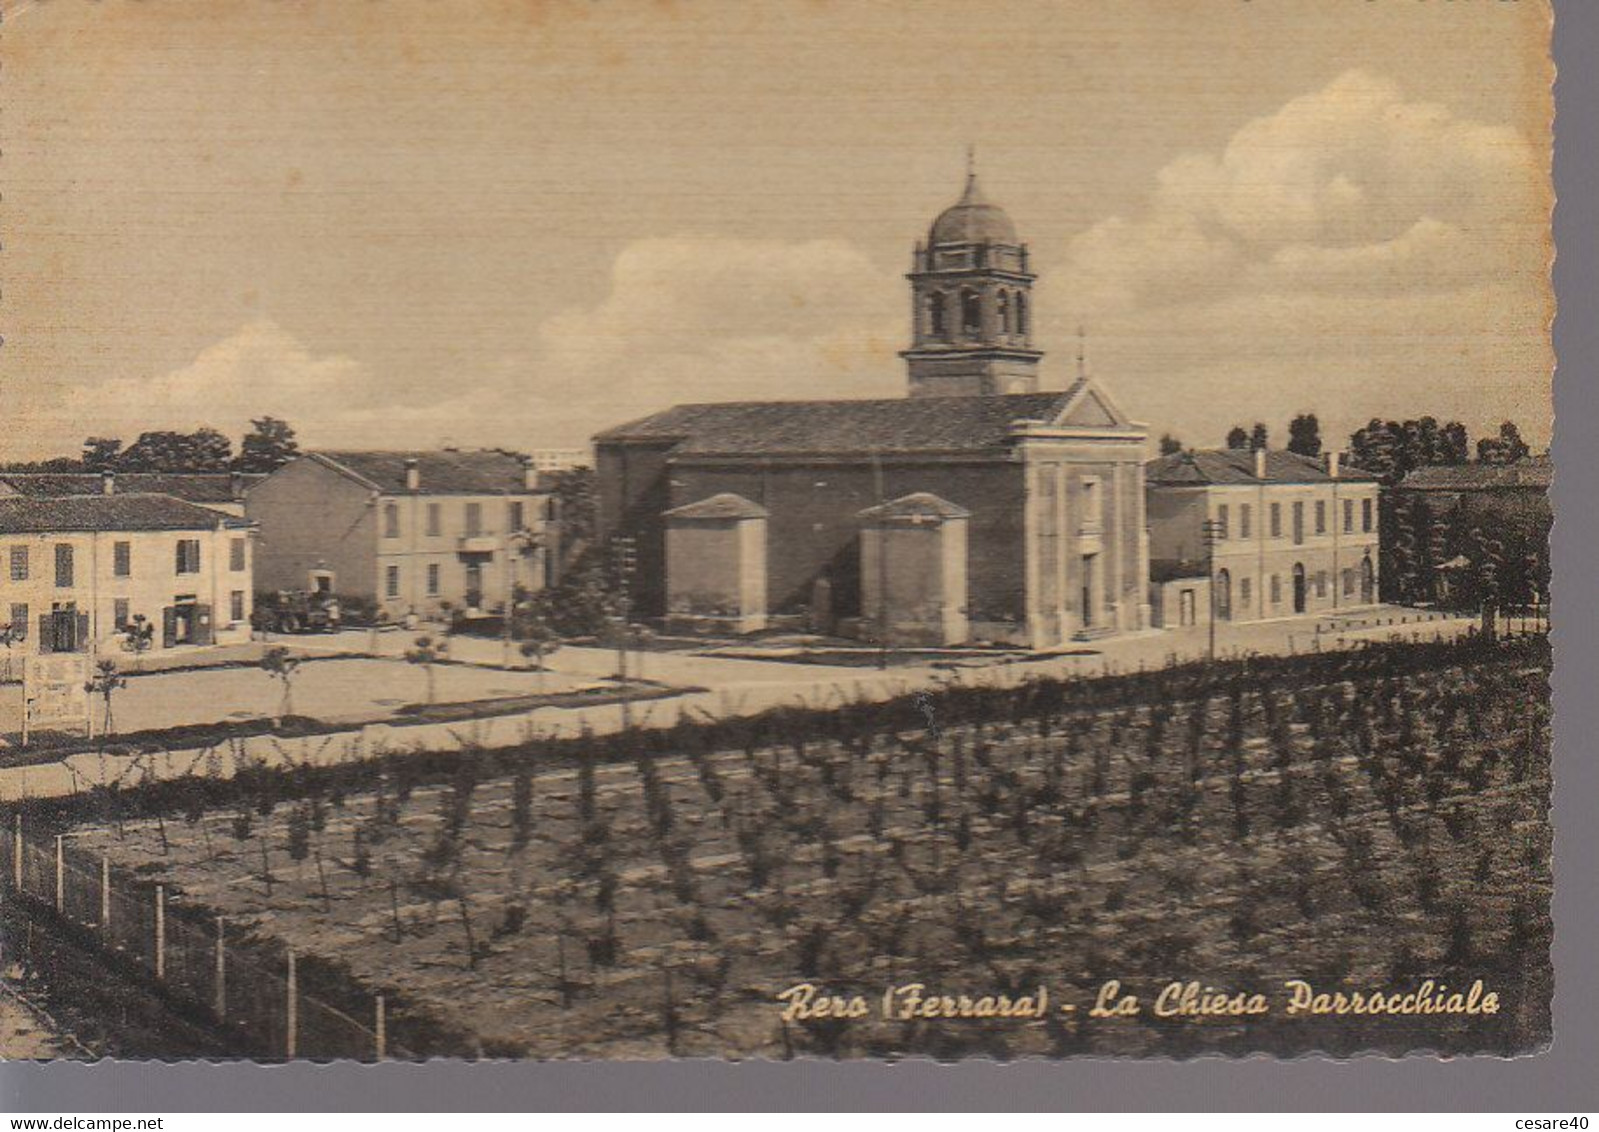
{"x": 1387, "y": 449}
{"x": 268, "y": 445}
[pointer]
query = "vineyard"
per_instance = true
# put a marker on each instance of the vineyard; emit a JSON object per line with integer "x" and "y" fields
{"x": 1359, "y": 820}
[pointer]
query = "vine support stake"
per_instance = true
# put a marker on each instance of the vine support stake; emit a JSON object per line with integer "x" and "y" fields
{"x": 380, "y": 1029}
{"x": 105, "y": 895}
{"x": 160, "y": 932}
{"x": 222, "y": 973}
{"x": 61, "y": 875}
{"x": 16, "y": 857}
{"x": 292, "y": 1023}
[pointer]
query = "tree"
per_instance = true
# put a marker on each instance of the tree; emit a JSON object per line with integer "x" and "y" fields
{"x": 1238, "y": 438}
{"x": 428, "y": 652}
{"x": 279, "y": 663}
{"x": 1456, "y": 445}
{"x": 1258, "y": 437}
{"x": 104, "y": 682}
{"x": 101, "y": 453}
{"x": 1507, "y": 448}
{"x": 534, "y": 628}
{"x": 139, "y": 637}
{"x": 204, "y": 450}
{"x": 267, "y": 447}
{"x": 1304, "y": 435}
{"x": 1170, "y": 445}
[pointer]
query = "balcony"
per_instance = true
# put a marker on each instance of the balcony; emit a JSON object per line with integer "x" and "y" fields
{"x": 477, "y": 544}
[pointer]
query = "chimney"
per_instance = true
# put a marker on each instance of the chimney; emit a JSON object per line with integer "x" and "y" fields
{"x": 530, "y": 474}
{"x": 108, "y": 482}
{"x": 1260, "y": 463}
{"x": 1332, "y": 464}
{"x": 413, "y": 475}
{"x": 236, "y": 485}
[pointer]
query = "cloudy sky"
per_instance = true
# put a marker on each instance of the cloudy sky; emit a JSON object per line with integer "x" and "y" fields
{"x": 517, "y": 223}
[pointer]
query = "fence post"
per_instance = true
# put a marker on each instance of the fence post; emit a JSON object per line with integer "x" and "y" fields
{"x": 105, "y": 895}
{"x": 61, "y": 877}
{"x": 160, "y": 932}
{"x": 289, "y": 1035}
{"x": 222, "y": 974}
{"x": 382, "y": 1030}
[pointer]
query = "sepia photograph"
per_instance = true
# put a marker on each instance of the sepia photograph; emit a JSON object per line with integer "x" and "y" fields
{"x": 770, "y": 529}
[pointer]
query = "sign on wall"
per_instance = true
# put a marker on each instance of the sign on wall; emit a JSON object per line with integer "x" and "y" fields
{"x": 55, "y": 693}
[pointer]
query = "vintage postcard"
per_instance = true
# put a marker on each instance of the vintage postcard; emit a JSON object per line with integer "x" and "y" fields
{"x": 774, "y": 529}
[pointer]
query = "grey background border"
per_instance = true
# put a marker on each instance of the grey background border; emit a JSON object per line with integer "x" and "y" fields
{"x": 1563, "y": 1079}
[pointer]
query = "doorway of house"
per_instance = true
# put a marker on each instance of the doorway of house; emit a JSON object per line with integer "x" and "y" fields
{"x": 64, "y": 627}
{"x": 1299, "y": 587}
{"x": 1090, "y": 588}
{"x": 1186, "y": 612}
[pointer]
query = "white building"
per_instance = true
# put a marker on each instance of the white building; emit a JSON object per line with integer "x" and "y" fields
{"x": 76, "y": 570}
{"x": 1289, "y": 535}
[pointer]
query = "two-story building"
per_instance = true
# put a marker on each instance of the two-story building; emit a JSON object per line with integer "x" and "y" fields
{"x": 413, "y": 533}
{"x": 1277, "y": 533}
{"x": 76, "y": 571}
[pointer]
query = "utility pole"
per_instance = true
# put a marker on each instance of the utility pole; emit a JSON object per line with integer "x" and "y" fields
{"x": 1212, "y": 532}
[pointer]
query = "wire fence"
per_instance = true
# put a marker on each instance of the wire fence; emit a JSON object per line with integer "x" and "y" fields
{"x": 249, "y": 988}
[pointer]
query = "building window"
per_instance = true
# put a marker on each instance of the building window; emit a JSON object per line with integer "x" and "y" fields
{"x": 19, "y": 564}
{"x": 1244, "y": 589}
{"x": 1365, "y": 515}
{"x": 236, "y": 606}
{"x": 1276, "y": 520}
{"x": 1349, "y": 582}
{"x": 1299, "y": 523}
{"x": 188, "y": 556}
{"x": 1221, "y": 522}
{"x": 1004, "y": 312}
{"x": 122, "y": 559}
{"x": 1349, "y": 516}
{"x": 971, "y": 314}
{"x": 474, "y": 520}
{"x": 435, "y": 513}
{"x": 433, "y": 579}
{"x": 1321, "y": 516}
{"x": 1276, "y": 589}
{"x": 1093, "y": 504}
{"x": 64, "y": 565}
{"x": 513, "y": 517}
{"x": 1243, "y": 520}
{"x": 391, "y": 581}
{"x": 391, "y": 520}
{"x": 1021, "y": 313}
{"x": 19, "y": 619}
{"x": 937, "y": 318}
{"x": 1321, "y": 583}
{"x": 120, "y": 613}
{"x": 236, "y": 554}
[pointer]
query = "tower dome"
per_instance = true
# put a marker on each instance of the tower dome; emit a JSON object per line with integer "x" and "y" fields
{"x": 973, "y": 220}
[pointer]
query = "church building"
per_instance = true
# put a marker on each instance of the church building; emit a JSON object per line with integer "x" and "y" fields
{"x": 978, "y": 508}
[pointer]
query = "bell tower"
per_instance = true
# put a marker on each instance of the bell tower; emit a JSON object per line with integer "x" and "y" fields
{"x": 972, "y": 304}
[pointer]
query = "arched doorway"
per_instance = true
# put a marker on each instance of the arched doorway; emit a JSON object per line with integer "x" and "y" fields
{"x": 1299, "y": 587}
{"x": 1224, "y": 595}
{"x": 1368, "y": 582}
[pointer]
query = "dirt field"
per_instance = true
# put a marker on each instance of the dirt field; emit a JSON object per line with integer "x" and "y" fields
{"x": 1357, "y": 837}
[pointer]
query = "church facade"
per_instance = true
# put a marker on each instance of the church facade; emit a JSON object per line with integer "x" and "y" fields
{"x": 977, "y": 508}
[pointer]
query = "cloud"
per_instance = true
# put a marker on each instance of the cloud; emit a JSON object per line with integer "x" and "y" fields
{"x": 1349, "y": 187}
{"x": 1353, "y": 254}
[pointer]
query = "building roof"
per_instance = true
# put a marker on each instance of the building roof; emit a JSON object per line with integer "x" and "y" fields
{"x": 726, "y": 505}
{"x": 899, "y": 424}
{"x": 917, "y": 506}
{"x": 196, "y": 487}
{"x": 120, "y": 512}
{"x": 1218, "y": 466}
{"x": 1535, "y": 473}
{"x": 477, "y": 471}
{"x": 973, "y": 220}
